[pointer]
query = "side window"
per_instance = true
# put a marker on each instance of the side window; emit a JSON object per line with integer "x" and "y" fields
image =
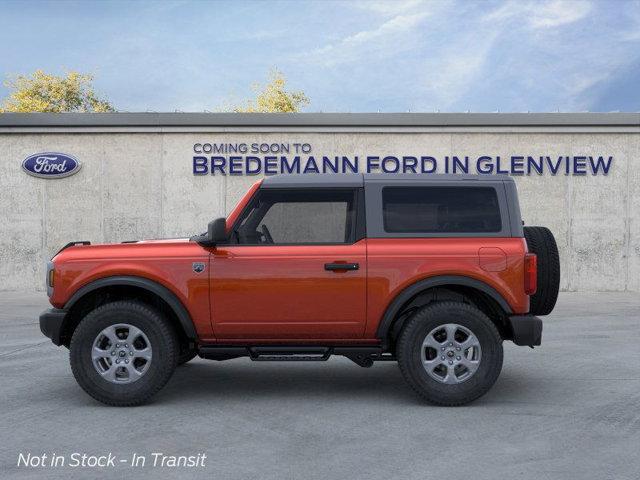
{"x": 441, "y": 210}
{"x": 286, "y": 217}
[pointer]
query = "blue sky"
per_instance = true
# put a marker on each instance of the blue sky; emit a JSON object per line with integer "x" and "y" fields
{"x": 348, "y": 56}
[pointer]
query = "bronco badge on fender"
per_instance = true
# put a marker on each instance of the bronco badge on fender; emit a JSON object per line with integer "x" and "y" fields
{"x": 198, "y": 267}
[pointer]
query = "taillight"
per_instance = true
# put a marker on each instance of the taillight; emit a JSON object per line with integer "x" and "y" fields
{"x": 530, "y": 273}
{"x": 51, "y": 273}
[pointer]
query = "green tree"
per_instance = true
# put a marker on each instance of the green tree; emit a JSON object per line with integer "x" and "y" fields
{"x": 273, "y": 97}
{"x": 42, "y": 92}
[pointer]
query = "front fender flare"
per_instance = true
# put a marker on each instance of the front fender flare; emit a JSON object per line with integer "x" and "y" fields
{"x": 154, "y": 287}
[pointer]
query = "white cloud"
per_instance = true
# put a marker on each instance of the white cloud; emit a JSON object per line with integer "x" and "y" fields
{"x": 632, "y": 15}
{"x": 539, "y": 15}
{"x": 558, "y": 12}
{"x": 565, "y": 68}
{"x": 398, "y": 24}
{"x": 518, "y": 56}
{"x": 506, "y": 11}
{"x": 451, "y": 73}
{"x": 391, "y": 37}
{"x": 386, "y": 7}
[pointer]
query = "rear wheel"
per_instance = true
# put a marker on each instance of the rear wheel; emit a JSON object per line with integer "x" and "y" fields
{"x": 123, "y": 352}
{"x": 450, "y": 353}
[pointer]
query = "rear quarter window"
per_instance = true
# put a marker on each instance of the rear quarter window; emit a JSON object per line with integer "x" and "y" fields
{"x": 434, "y": 209}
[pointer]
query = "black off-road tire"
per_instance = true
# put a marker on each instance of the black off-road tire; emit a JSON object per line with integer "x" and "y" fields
{"x": 541, "y": 242}
{"x": 409, "y": 346}
{"x": 163, "y": 342}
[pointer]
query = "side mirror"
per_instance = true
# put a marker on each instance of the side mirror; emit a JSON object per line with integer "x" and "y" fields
{"x": 217, "y": 230}
{"x": 216, "y": 233}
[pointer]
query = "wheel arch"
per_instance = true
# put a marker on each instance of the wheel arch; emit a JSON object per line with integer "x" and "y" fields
{"x": 484, "y": 296}
{"x": 104, "y": 289}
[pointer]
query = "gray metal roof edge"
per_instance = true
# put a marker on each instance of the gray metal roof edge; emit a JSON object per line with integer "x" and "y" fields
{"x": 360, "y": 179}
{"x": 438, "y": 177}
{"x": 30, "y": 120}
{"x": 317, "y": 180}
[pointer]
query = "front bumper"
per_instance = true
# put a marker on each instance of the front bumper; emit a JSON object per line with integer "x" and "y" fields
{"x": 51, "y": 322}
{"x": 527, "y": 330}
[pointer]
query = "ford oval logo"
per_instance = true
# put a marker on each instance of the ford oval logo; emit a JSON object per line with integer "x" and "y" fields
{"x": 50, "y": 165}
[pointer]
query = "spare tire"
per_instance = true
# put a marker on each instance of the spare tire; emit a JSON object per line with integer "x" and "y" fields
{"x": 541, "y": 242}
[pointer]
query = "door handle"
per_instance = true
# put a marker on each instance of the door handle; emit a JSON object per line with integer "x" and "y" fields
{"x": 341, "y": 266}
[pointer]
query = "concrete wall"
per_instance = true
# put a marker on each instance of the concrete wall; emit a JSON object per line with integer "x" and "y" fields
{"x": 140, "y": 185}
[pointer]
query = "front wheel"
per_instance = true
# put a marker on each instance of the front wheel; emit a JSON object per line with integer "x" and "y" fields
{"x": 450, "y": 353}
{"x": 123, "y": 352}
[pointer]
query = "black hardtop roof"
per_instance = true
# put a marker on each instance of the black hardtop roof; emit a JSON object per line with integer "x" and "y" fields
{"x": 359, "y": 179}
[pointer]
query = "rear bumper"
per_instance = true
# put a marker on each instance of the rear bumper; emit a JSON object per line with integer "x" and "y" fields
{"x": 51, "y": 321}
{"x": 527, "y": 330}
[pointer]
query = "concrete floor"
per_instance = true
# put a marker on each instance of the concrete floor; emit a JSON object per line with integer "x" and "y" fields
{"x": 570, "y": 410}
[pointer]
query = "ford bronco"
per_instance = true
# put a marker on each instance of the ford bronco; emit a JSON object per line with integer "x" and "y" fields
{"x": 431, "y": 271}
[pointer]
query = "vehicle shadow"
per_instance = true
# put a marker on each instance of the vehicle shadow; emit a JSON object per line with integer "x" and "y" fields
{"x": 335, "y": 381}
{"x": 241, "y": 379}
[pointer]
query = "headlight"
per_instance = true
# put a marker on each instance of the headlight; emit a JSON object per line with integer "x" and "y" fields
{"x": 51, "y": 273}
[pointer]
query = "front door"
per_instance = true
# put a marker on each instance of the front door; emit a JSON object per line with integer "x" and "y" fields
{"x": 294, "y": 268}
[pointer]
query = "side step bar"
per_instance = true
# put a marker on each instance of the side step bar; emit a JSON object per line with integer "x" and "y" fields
{"x": 361, "y": 355}
{"x": 290, "y": 354}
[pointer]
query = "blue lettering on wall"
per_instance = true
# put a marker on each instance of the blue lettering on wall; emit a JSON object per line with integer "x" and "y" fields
{"x": 297, "y": 158}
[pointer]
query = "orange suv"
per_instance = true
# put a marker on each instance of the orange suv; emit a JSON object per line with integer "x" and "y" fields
{"x": 431, "y": 271}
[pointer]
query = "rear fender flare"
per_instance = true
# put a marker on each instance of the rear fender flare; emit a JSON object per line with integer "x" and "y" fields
{"x": 409, "y": 292}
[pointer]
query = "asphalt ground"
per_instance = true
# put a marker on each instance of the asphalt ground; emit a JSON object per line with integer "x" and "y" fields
{"x": 567, "y": 410}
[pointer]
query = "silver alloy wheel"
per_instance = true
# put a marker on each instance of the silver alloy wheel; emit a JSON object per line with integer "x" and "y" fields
{"x": 451, "y": 353}
{"x": 121, "y": 353}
